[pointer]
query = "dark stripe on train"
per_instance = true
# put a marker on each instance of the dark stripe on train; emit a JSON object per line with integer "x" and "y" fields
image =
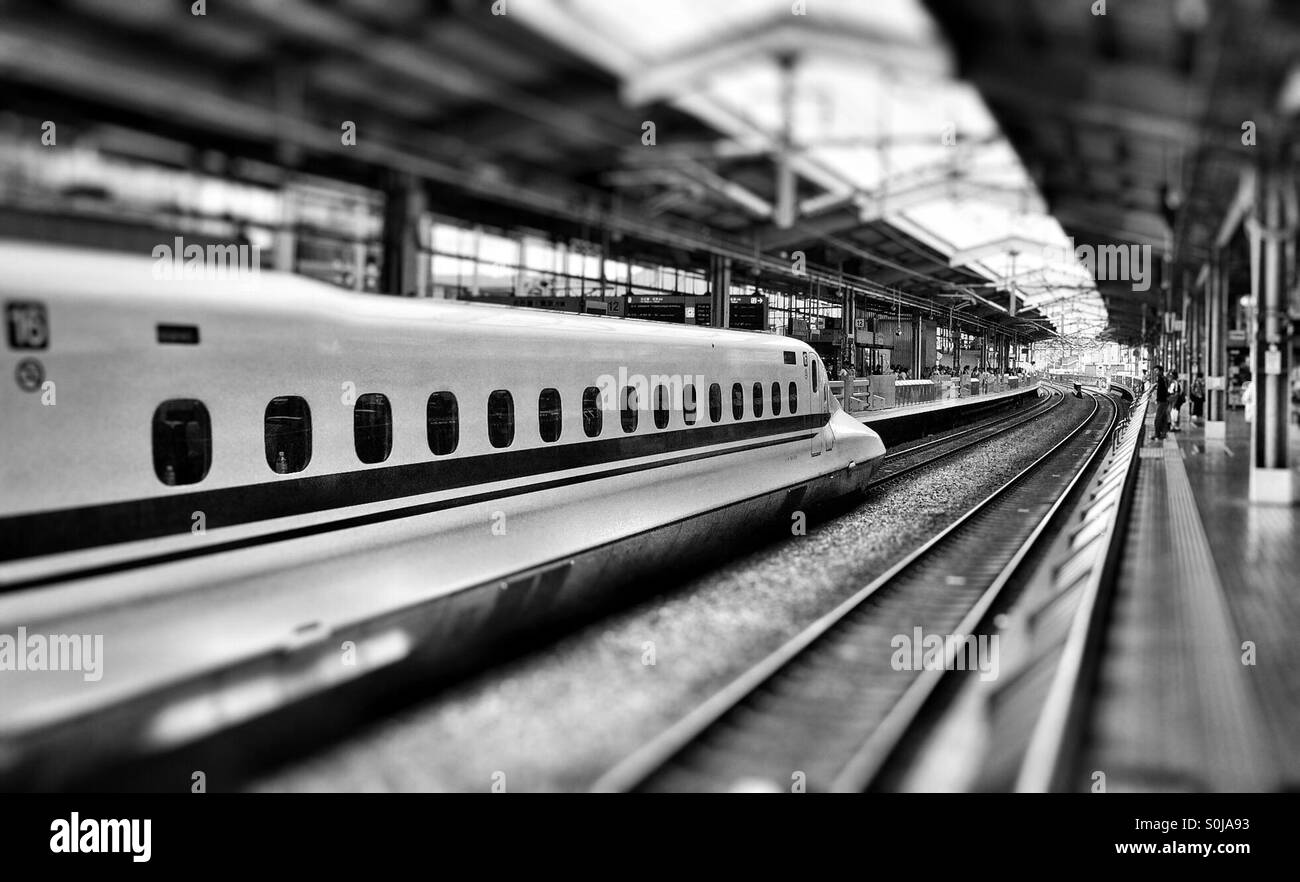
{"x": 73, "y": 529}
{"x": 374, "y": 518}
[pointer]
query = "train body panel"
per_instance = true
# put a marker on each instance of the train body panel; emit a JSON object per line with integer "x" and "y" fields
{"x": 211, "y": 567}
{"x": 81, "y": 483}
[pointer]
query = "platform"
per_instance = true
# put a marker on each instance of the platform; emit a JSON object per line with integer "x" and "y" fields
{"x": 1197, "y": 688}
{"x": 871, "y": 417}
{"x": 907, "y": 423}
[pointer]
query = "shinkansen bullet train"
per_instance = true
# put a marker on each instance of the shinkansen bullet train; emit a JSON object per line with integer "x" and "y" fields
{"x": 321, "y": 460}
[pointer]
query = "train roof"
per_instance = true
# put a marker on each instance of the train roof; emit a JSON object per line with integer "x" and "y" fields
{"x": 57, "y": 271}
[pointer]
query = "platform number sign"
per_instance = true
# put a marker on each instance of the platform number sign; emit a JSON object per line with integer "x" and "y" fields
{"x": 1273, "y": 360}
{"x": 28, "y": 325}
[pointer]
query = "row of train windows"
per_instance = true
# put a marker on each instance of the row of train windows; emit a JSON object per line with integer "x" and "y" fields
{"x": 182, "y": 429}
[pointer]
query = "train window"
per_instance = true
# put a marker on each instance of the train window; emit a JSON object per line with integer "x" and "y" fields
{"x": 501, "y": 418}
{"x": 816, "y": 376}
{"x": 776, "y": 399}
{"x": 442, "y": 423}
{"x": 789, "y": 357}
{"x": 758, "y": 399}
{"x": 715, "y": 403}
{"x": 661, "y": 407}
{"x": 182, "y": 441}
{"x": 288, "y": 434}
{"x": 737, "y": 401}
{"x": 593, "y": 416}
{"x": 688, "y": 404}
{"x": 794, "y": 398}
{"x": 629, "y": 408}
{"x": 549, "y": 417}
{"x": 372, "y": 427}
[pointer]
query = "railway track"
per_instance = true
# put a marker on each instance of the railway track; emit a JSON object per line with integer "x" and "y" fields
{"x": 900, "y": 463}
{"x": 1091, "y": 710}
{"x": 963, "y": 438}
{"x": 825, "y": 711}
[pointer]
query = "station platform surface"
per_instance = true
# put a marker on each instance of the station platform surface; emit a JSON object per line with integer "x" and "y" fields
{"x": 872, "y": 416}
{"x": 1197, "y": 689}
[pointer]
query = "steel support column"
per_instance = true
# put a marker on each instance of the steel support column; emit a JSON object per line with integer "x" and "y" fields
{"x": 720, "y": 291}
{"x": 848, "y": 322}
{"x": 405, "y": 270}
{"x": 918, "y": 341}
{"x": 954, "y": 337}
{"x": 1216, "y": 349}
{"x": 1271, "y": 480}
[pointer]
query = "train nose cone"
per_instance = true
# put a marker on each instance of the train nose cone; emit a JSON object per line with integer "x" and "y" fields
{"x": 864, "y": 445}
{"x": 859, "y": 443}
{"x": 868, "y": 451}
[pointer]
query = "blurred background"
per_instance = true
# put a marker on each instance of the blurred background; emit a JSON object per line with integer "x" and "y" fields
{"x": 631, "y": 158}
{"x": 909, "y": 186}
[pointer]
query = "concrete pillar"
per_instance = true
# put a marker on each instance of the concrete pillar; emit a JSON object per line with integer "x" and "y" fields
{"x": 1271, "y": 480}
{"x": 849, "y": 349}
{"x": 1171, "y": 332}
{"x": 720, "y": 291}
{"x": 1184, "y": 335}
{"x": 918, "y": 345}
{"x": 285, "y": 246}
{"x": 1166, "y": 336}
{"x": 954, "y": 335}
{"x": 405, "y": 270}
{"x": 1195, "y": 311}
{"x": 1216, "y": 350}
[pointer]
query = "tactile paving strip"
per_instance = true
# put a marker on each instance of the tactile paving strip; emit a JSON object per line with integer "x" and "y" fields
{"x": 1174, "y": 710}
{"x": 1229, "y": 717}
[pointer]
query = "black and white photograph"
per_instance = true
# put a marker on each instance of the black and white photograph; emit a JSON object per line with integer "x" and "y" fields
{"x": 897, "y": 399}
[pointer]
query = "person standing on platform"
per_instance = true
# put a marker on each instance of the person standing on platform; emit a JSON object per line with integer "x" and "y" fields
{"x": 1162, "y": 404}
{"x": 1176, "y": 396}
{"x": 1197, "y": 396}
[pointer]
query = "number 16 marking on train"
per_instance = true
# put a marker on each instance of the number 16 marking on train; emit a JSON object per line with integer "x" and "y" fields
{"x": 28, "y": 326}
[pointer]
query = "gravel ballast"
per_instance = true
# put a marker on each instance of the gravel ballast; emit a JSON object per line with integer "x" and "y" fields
{"x": 556, "y": 719}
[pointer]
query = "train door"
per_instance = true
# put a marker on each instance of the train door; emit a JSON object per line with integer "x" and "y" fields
{"x": 823, "y": 441}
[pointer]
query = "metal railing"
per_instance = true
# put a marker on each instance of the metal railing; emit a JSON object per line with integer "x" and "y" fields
{"x": 883, "y": 392}
{"x": 1089, "y": 571}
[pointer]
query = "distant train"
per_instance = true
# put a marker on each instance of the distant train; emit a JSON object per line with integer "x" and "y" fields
{"x": 163, "y": 435}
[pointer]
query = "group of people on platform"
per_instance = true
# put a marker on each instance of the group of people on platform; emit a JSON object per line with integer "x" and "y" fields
{"x": 938, "y": 372}
{"x": 1171, "y": 395}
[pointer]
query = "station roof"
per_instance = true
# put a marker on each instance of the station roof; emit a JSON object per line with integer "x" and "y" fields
{"x": 1132, "y": 122}
{"x": 842, "y": 134}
